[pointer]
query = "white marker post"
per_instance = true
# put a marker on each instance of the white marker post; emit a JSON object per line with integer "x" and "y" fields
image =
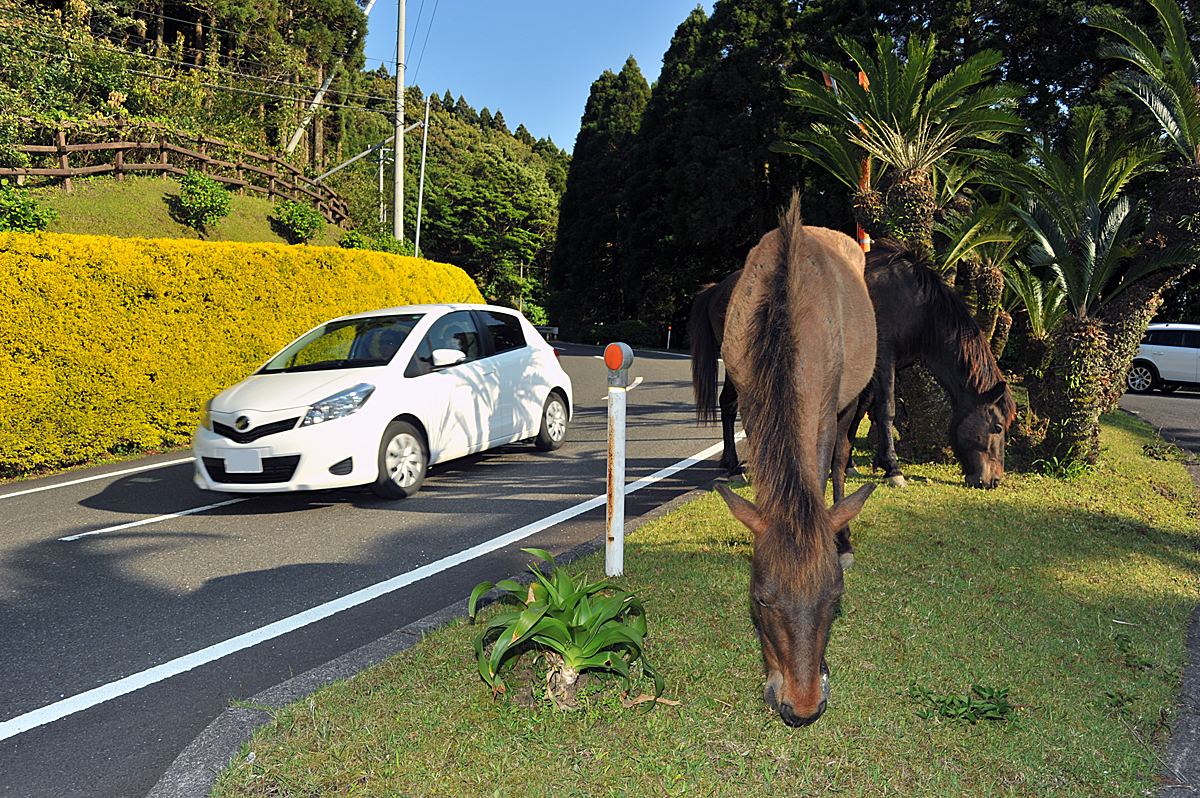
{"x": 618, "y": 357}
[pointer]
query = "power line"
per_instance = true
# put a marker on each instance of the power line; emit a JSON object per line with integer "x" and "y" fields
{"x": 421, "y": 58}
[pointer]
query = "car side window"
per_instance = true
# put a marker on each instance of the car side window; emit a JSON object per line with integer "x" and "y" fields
{"x": 455, "y": 331}
{"x": 1191, "y": 338}
{"x": 505, "y": 330}
{"x": 1170, "y": 338}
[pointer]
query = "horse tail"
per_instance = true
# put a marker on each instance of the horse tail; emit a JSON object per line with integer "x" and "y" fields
{"x": 705, "y": 349}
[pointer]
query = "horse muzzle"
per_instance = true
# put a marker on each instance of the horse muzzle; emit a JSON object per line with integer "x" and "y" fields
{"x": 979, "y": 481}
{"x": 788, "y": 713}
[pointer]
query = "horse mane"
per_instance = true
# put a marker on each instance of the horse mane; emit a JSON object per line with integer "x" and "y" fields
{"x": 781, "y": 488}
{"x": 950, "y": 317}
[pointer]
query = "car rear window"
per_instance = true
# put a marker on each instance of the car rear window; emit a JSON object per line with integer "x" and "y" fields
{"x": 348, "y": 343}
{"x": 505, "y": 330}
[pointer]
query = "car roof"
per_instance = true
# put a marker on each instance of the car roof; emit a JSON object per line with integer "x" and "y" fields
{"x": 426, "y": 308}
{"x": 1174, "y": 325}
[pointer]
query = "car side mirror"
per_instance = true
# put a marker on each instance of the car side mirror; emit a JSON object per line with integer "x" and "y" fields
{"x": 447, "y": 357}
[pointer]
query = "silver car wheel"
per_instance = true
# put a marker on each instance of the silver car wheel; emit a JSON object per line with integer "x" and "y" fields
{"x": 556, "y": 420}
{"x": 404, "y": 460}
{"x": 1140, "y": 378}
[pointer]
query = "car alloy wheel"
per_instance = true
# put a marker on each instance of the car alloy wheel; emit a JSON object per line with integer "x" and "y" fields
{"x": 554, "y": 424}
{"x": 1140, "y": 378}
{"x": 403, "y": 460}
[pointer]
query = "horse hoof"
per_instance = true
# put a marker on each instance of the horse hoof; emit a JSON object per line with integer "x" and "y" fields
{"x": 896, "y": 481}
{"x": 847, "y": 560}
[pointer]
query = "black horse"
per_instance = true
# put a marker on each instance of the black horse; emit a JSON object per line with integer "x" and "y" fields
{"x": 918, "y": 317}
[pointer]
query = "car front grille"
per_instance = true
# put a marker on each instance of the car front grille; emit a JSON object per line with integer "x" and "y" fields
{"x": 256, "y": 433}
{"x": 275, "y": 469}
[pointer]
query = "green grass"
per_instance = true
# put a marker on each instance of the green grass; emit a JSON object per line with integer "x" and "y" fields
{"x": 1073, "y": 596}
{"x": 140, "y": 207}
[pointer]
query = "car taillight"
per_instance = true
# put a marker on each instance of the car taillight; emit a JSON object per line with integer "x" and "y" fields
{"x": 556, "y": 354}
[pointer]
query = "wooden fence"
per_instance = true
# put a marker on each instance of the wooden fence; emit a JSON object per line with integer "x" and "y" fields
{"x": 157, "y": 149}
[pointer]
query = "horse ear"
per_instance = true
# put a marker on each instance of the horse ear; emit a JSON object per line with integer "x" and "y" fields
{"x": 994, "y": 393}
{"x": 844, "y": 511}
{"x": 744, "y": 511}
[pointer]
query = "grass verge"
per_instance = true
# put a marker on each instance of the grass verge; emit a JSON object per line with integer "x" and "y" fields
{"x": 1072, "y": 595}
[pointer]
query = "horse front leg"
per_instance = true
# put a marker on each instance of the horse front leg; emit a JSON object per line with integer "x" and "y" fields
{"x": 884, "y": 416}
{"x": 729, "y": 410}
{"x": 841, "y": 456}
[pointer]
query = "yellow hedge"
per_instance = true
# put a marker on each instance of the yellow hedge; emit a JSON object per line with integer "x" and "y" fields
{"x": 109, "y": 342}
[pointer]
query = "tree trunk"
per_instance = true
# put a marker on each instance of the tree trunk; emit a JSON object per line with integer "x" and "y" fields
{"x": 1000, "y": 337}
{"x": 911, "y": 204}
{"x": 923, "y": 415}
{"x": 870, "y": 213}
{"x": 1071, "y": 394}
{"x": 989, "y": 291}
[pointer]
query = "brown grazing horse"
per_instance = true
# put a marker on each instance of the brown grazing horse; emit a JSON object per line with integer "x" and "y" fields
{"x": 799, "y": 344}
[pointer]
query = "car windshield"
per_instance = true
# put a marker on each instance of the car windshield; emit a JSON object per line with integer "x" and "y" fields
{"x": 348, "y": 343}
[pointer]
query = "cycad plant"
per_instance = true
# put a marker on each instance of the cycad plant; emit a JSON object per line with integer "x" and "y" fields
{"x": 1083, "y": 227}
{"x": 573, "y": 623}
{"x": 1042, "y": 305}
{"x": 905, "y": 123}
{"x": 1164, "y": 79}
{"x": 978, "y": 246}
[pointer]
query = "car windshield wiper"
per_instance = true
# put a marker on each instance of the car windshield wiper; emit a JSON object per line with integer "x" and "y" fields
{"x": 324, "y": 365}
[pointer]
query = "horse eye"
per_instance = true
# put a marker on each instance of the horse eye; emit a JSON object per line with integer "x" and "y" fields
{"x": 997, "y": 429}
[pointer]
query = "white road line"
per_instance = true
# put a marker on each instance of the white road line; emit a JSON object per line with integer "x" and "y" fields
{"x": 98, "y": 476}
{"x": 156, "y": 519}
{"x": 112, "y": 690}
{"x": 636, "y": 382}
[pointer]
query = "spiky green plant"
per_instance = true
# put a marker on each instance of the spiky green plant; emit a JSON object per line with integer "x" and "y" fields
{"x": 1164, "y": 80}
{"x": 583, "y": 628}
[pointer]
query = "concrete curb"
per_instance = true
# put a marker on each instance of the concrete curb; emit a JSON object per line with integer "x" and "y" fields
{"x": 195, "y": 770}
{"x": 1183, "y": 749}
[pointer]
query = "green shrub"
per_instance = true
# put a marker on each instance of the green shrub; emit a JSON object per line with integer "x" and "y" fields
{"x": 110, "y": 343}
{"x": 354, "y": 240}
{"x": 301, "y": 221}
{"x": 21, "y": 214}
{"x": 383, "y": 243}
{"x": 204, "y": 201}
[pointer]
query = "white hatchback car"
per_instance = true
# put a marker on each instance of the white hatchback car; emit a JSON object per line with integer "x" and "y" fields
{"x": 1168, "y": 357}
{"x": 375, "y": 398}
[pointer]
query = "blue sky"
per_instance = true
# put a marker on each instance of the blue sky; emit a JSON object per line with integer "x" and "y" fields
{"x": 534, "y": 60}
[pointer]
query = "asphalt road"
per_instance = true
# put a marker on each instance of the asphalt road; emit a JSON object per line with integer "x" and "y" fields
{"x": 1175, "y": 415}
{"x": 134, "y": 608}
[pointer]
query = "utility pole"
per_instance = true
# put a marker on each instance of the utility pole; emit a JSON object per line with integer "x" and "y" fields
{"x": 398, "y": 166}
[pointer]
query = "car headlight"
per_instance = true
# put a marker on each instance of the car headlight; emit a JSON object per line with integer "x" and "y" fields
{"x": 340, "y": 405}
{"x": 206, "y": 416}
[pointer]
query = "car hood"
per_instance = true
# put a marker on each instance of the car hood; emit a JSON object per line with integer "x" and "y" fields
{"x": 267, "y": 392}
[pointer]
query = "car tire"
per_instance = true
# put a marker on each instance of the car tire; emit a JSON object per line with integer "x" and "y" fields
{"x": 403, "y": 460}
{"x": 554, "y": 424}
{"x": 1141, "y": 377}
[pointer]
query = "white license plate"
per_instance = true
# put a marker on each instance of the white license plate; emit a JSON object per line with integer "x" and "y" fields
{"x": 243, "y": 461}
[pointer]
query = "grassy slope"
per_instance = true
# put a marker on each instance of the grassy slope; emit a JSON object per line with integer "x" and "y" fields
{"x": 140, "y": 207}
{"x": 1074, "y": 595}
